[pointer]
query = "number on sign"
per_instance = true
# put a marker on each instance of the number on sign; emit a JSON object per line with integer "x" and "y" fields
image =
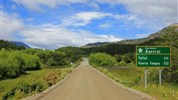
{"x": 166, "y": 58}
{"x": 166, "y": 63}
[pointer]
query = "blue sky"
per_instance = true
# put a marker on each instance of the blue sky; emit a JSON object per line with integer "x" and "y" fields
{"x": 56, "y": 23}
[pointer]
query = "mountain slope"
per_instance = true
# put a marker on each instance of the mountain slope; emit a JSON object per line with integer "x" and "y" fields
{"x": 166, "y": 37}
{"x": 12, "y": 45}
{"x": 148, "y": 40}
{"x": 20, "y": 44}
{"x": 97, "y": 44}
{"x": 153, "y": 36}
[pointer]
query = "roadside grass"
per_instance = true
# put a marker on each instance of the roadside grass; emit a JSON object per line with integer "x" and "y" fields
{"x": 32, "y": 82}
{"x": 134, "y": 78}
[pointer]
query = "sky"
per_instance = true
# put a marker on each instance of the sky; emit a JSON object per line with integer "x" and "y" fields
{"x": 50, "y": 24}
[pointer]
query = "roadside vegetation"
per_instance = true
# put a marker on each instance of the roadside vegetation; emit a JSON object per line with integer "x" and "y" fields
{"x": 27, "y": 71}
{"x": 102, "y": 59}
{"x": 31, "y": 82}
{"x": 133, "y": 77}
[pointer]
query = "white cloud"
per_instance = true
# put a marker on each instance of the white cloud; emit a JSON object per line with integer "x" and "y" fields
{"x": 30, "y": 19}
{"x": 52, "y": 37}
{"x": 106, "y": 25}
{"x": 10, "y": 25}
{"x": 48, "y": 35}
{"x": 84, "y": 18}
{"x": 36, "y": 5}
{"x": 95, "y": 5}
{"x": 142, "y": 35}
{"x": 126, "y": 17}
{"x": 162, "y": 11}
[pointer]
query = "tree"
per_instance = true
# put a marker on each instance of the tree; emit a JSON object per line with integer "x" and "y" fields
{"x": 118, "y": 58}
{"x": 102, "y": 59}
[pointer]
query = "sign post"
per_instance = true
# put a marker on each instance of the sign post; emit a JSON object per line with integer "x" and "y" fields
{"x": 153, "y": 56}
{"x": 160, "y": 70}
{"x": 145, "y": 77}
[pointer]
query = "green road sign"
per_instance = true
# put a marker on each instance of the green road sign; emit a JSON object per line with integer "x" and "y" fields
{"x": 153, "y": 56}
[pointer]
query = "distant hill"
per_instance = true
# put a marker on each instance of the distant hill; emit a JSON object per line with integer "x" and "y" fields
{"x": 97, "y": 44}
{"x": 153, "y": 37}
{"x": 20, "y": 44}
{"x": 165, "y": 37}
{"x": 150, "y": 37}
{"x": 12, "y": 45}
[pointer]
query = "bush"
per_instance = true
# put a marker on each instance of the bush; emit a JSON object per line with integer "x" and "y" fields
{"x": 15, "y": 63}
{"x": 102, "y": 59}
{"x": 31, "y": 62}
{"x": 10, "y": 66}
{"x": 129, "y": 58}
{"x": 73, "y": 54}
{"x": 118, "y": 58}
{"x": 52, "y": 58}
{"x": 39, "y": 85}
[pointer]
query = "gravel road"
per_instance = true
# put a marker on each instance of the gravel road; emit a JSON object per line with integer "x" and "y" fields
{"x": 85, "y": 83}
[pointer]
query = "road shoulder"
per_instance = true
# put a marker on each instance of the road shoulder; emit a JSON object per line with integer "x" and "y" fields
{"x": 40, "y": 95}
{"x": 137, "y": 93}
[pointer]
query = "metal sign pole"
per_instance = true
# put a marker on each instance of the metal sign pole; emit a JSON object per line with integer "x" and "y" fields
{"x": 145, "y": 77}
{"x": 160, "y": 70}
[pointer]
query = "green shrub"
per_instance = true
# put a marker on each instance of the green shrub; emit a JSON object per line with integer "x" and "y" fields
{"x": 31, "y": 62}
{"x": 118, "y": 58}
{"x": 15, "y": 63}
{"x": 102, "y": 59}
{"x": 52, "y": 58}
{"x": 129, "y": 58}
{"x": 72, "y": 54}
{"x": 38, "y": 85}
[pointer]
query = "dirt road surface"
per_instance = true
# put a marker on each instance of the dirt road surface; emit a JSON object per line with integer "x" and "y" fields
{"x": 85, "y": 83}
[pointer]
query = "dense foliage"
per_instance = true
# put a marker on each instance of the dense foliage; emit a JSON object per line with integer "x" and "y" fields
{"x": 59, "y": 57}
{"x": 52, "y": 58}
{"x": 72, "y": 53}
{"x": 9, "y": 45}
{"x": 15, "y": 63}
{"x": 112, "y": 49}
{"x": 102, "y": 59}
{"x": 33, "y": 82}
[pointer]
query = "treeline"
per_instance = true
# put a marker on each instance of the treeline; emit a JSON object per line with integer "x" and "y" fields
{"x": 9, "y": 45}
{"x": 58, "y": 57}
{"x": 14, "y": 63}
{"x": 112, "y": 49}
{"x": 72, "y": 53}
